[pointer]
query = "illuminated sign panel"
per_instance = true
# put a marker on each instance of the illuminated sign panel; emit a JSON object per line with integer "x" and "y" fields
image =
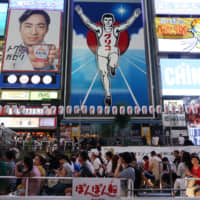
{"x": 43, "y": 95}
{"x": 25, "y": 52}
{"x": 177, "y": 7}
{"x": 48, "y": 122}
{"x": 176, "y": 34}
{"x": 20, "y": 122}
{"x": 108, "y": 69}
{"x": 180, "y": 77}
{"x": 15, "y": 95}
{"x": 3, "y": 16}
{"x": 38, "y": 4}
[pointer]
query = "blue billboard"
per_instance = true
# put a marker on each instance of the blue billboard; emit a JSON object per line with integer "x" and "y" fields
{"x": 180, "y": 77}
{"x": 108, "y": 55}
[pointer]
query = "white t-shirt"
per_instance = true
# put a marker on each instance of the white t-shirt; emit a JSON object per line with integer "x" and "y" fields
{"x": 108, "y": 170}
{"x": 155, "y": 140}
{"x": 90, "y": 166}
{"x": 96, "y": 164}
{"x": 181, "y": 140}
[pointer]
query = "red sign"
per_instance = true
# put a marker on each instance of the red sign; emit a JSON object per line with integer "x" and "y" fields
{"x": 96, "y": 189}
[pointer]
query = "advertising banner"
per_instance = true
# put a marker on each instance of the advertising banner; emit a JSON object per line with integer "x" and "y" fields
{"x": 38, "y": 4}
{"x": 180, "y": 77}
{"x": 173, "y": 120}
{"x": 176, "y": 34}
{"x": 93, "y": 188}
{"x": 177, "y": 7}
{"x": 33, "y": 41}
{"x": 146, "y": 132}
{"x": 20, "y": 122}
{"x": 108, "y": 55}
{"x": 16, "y": 95}
{"x": 43, "y": 95}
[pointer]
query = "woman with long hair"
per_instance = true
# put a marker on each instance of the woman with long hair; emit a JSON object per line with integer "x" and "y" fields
{"x": 29, "y": 171}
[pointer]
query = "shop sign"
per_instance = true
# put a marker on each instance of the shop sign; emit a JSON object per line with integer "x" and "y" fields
{"x": 48, "y": 122}
{"x": 173, "y": 120}
{"x": 16, "y": 95}
{"x": 20, "y": 122}
{"x": 43, "y": 95}
{"x": 90, "y": 188}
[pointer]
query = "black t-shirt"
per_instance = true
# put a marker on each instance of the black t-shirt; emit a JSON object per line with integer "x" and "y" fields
{"x": 85, "y": 171}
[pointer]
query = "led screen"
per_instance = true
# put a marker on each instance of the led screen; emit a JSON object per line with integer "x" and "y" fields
{"x": 38, "y": 4}
{"x": 3, "y": 16}
{"x": 177, "y": 7}
{"x": 180, "y": 77}
{"x": 178, "y": 34}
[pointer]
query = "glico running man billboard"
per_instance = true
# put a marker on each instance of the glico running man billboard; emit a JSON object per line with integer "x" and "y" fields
{"x": 108, "y": 56}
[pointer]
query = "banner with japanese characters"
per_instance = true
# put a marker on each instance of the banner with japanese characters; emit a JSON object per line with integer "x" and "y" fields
{"x": 96, "y": 189}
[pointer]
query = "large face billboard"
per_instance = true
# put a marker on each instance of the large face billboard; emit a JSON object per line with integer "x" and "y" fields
{"x": 108, "y": 56}
{"x": 33, "y": 41}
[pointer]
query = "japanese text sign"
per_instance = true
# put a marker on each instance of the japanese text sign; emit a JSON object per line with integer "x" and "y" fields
{"x": 96, "y": 189}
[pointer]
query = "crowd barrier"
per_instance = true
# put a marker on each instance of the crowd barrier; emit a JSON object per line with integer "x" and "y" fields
{"x": 127, "y": 194}
{"x": 101, "y": 187}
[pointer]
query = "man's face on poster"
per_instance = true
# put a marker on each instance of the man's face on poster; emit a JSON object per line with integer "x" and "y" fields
{"x": 108, "y": 21}
{"x": 33, "y": 30}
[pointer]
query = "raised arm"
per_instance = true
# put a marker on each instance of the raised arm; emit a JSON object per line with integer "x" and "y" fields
{"x": 129, "y": 21}
{"x": 85, "y": 19}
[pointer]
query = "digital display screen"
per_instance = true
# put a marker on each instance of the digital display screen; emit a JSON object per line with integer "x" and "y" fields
{"x": 38, "y": 4}
{"x": 177, "y": 7}
{"x": 3, "y": 16}
{"x": 180, "y": 77}
{"x": 178, "y": 34}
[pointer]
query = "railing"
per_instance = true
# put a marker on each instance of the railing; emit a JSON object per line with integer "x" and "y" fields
{"x": 156, "y": 193}
{"x": 43, "y": 196}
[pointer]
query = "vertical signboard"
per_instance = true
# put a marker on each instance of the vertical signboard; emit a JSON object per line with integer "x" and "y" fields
{"x": 108, "y": 54}
{"x": 32, "y": 49}
{"x": 33, "y": 41}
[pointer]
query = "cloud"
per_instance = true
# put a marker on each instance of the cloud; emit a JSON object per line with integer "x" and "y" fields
{"x": 137, "y": 40}
{"x": 79, "y": 41}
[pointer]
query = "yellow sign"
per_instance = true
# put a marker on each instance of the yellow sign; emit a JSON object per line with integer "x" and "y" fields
{"x": 76, "y": 132}
{"x": 16, "y": 95}
{"x": 176, "y": 27}
{"x": 146, "y": 132}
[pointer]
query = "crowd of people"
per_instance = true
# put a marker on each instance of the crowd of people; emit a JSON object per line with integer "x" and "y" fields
{"x": 151, "y": 171}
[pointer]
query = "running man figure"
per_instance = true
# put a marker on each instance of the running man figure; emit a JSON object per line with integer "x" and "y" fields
{"x": 107, "y": 52}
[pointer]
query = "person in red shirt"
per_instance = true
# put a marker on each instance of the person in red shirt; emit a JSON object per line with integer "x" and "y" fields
{"x": 195, "y": 173}
{"x": 146, "y": 162}
{"x": 196, "y": 168}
